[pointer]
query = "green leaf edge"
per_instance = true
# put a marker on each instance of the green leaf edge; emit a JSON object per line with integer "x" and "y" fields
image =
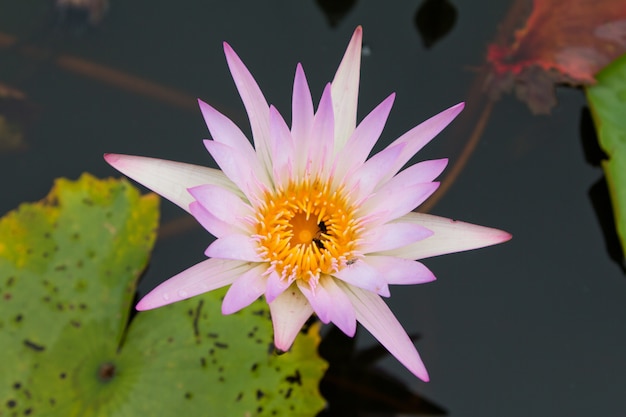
{"x": 607, "y": 102}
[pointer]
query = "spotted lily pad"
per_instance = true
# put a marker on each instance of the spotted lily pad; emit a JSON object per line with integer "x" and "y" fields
{"x": 68, "y": 268}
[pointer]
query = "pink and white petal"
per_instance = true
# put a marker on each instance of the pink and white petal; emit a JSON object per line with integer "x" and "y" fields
{"x": 331, "y": 304}
{"x": 400, "y": 271}
{"x": 363, "y": 139}
{"x": 255, "y": 104}
{"x": 416, "y": 138}
{"x": 234, "y": 246}
{"x": 377, "y": 318}
{"x": 345, "y": 90}
{"x": 302, "y": 111}
{"x": 282, "y": 146}
{"x": 323, "y": 134}
{"x": 275, "y": 286}
{"x": 203, "y": 277}
{"x": 223, "y": 204}
{"x": 392, "y": 235}
{"x": 236, "y": 166}
{"x": 319, "y": 299}
{"x": 223, "y": 130}
{"x": 396, "y": 199}
{"x": 170, "y": 179}
{"x": 364, "y": 276}
{"x": 449, "y": 236}
{"x": 245, "y": 290}
{"x": 290, "y": 310}
{"x": 369, "y": 175}
{"x": 215, "y": 226}
{"x": 425, "y": 171}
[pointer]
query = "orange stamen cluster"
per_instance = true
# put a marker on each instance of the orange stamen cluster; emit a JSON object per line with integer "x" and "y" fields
{"x": 305, "y": 230}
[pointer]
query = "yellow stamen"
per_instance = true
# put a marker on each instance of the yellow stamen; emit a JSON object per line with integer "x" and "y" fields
{"x": 305, "y": 230}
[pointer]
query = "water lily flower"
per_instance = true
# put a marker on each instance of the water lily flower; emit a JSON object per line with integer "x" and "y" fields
{"x": 303, "y": 217}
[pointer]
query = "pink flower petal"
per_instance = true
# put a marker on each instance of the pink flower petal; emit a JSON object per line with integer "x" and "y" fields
{"x": 363, "y": 139}
{"x": 302, "y": 111}
{"x": 392, "y": 235}
{"x": 331, "y": 304}
{"x": 290, "y": 310}
{"x": 345, "y": 90}
{"x": 215, "y": 226}
{"x": 255, "y": 104}
{"x": 234, "y": 246}
{"x": 224, "y": 131}
{"x": 203, "y": 277}
{"x": 404, "y": 192}
{"x": 236, "y": 166}
{"x": 168, "y": 178}
{"x": 449, "y": 236}
{"x": 275, "y": 286}
{"x": 399, "y": 270}
{"x": 372, "y": 171}
{"x": 224, "y": 205}
{"x": 364, "y": 276}
{"x": 416, "y": 138}
{"x": 425, "y": 171}
{"x": 322, "y": 143}
{"x": 245, "y": 290}
{"x": 396, "y": 199}
{"x": 282, "y": 146}
{"x": 377, "y": 318}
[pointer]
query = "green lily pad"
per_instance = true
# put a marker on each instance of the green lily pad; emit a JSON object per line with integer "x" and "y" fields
{"x": 68, "y": 268}
{"x": 607, "y": 100}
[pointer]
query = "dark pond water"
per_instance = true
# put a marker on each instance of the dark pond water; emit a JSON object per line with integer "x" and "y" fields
{"x": 535, "y": 327}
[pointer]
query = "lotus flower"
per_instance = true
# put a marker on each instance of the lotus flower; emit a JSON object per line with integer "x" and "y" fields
{"x": 303, "y": 217}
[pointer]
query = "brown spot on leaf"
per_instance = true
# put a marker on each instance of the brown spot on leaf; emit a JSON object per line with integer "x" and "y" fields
{"x": 106, "y": 372}
{"x": 296, "y": 378}
{"x": 34, "y": 346}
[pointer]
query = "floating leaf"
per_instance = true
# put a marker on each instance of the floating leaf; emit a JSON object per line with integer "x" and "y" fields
{"x": 607, "y": 100}
{"x": 561, "y": 42}
{"x": 68, "y": 267}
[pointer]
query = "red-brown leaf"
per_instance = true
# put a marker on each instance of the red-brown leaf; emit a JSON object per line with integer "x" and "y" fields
{"x": 562, "y": 41}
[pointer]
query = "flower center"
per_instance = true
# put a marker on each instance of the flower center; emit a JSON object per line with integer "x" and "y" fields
{"x": 305, "y": 230}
